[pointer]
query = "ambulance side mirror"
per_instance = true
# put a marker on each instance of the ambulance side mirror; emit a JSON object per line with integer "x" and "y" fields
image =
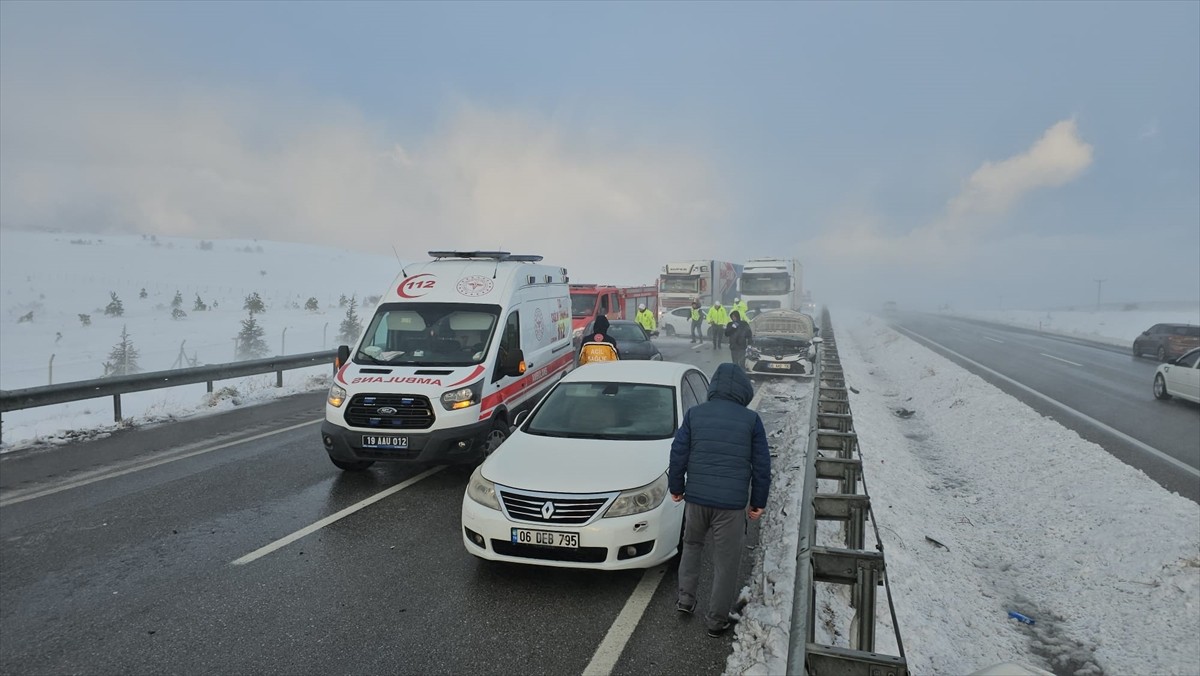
{"x": 343, "y": 356}
{"x": 515, "y": 365}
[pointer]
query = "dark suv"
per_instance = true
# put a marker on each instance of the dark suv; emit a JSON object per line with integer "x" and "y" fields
{"x": 1167, "y": 341}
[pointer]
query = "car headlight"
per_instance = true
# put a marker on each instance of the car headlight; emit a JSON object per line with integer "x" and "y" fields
{"x": 463, "y": 397}
{"x": 577, "y": 333}
{"x": 639, "y": 500}
{"x": 753, "y": 353}
{"x": 337, "y": 396}
{"x": 482, "y": 491}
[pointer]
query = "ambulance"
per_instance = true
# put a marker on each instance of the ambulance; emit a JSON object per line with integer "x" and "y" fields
{"x": 457, "y": 347}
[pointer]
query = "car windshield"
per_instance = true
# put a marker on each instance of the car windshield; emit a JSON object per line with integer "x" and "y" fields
{"x": 603, "y": 410}
{"x": 764, "y": 283}
{"x": 428, "y": 334}
{"x": 627, "y": 333}
{"x": 679, "y": 283}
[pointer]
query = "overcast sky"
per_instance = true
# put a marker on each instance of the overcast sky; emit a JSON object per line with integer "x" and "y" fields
{"x": 980, "y": 154}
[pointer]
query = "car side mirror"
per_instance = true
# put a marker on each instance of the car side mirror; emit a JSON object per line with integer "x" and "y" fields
{"x": 1146, "y": 332}
{"x": 343, "y": 356}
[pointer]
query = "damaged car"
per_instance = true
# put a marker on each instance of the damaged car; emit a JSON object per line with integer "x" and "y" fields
{"x": 785, "y": 343}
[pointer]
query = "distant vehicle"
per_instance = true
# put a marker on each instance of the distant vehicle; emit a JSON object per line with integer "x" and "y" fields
{"x": 889, "y": 307}
{"x": 705, "y": 281}
{"x": 456, "y": 347}
{"x": 784, "y": 344}
{"x": 771, "y": 284}
{"x": 615, "y": 302}
{"x": 678, "y": 322}
{"x": 1179, "y": 378}
{"x": 632, "y": 340}
{"x": 583, "y": 482}
{"x": 1167, "y": 341}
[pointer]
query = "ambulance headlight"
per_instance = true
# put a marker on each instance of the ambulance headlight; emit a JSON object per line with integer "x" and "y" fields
{"x": 577, "y": 333}
{"x": 463, "y": 397}
{"x": 337, "y": 396}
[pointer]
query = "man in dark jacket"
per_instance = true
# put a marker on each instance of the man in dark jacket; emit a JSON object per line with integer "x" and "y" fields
{"x": 720, "y": 462}
{"x": 740, "y": 337}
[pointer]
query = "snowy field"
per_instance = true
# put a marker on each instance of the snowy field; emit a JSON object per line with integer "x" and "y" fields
{"x": 1105, "y": 560}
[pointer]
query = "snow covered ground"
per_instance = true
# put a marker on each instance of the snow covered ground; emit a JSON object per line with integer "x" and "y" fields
{"x": 1032, "y": 518}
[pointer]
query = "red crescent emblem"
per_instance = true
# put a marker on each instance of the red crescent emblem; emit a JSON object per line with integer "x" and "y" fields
{"x": 415, "y": 287}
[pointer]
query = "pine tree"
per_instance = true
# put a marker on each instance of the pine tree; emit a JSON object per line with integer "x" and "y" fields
{"x": 342, "y": 300}
{"x": 115, "y": 308}
{"x": 142, "y": 293}
{"x": 250, "y": 343}
{"x": 351, "y": 326}
{"x": 122, "y": 359}
{"x": 178, "y": 313}
{"x": 177, "y": 301}
{"x": 199, "y": 305}
{"x": 312, "y": 305}
{"x": 254, "y": 303}
{"x": 86, "y": 320}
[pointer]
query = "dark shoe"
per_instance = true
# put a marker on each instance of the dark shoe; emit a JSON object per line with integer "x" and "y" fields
{"x": 718, "y": 631}
{"x": 688, "y": 608}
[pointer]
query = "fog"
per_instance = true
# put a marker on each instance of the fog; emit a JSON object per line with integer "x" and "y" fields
{"x": 933, "y": 155}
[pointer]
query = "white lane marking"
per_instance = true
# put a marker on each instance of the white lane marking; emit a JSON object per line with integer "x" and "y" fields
{"x": 1083, "y": 416}
{"x": 312, "y": 528}
{"x": 609, "y": 651}
{"x": 1059, "y": 359}
{"x": 993, "y": 340}
{"x": 146, "y": 465}
{"x": 697, "y": 346}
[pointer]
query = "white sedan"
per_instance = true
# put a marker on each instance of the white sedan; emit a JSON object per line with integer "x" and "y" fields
{"x": 1179, "y": 378}
{"x": 582, "y": 483}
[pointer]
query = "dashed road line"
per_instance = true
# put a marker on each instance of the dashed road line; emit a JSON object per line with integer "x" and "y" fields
{"x": 1059, "y": 359}
{"x": 606, "y": 655}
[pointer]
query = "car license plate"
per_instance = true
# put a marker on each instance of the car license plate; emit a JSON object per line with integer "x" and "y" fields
{"x": 545, "y": 538}
{"x": 784, "y": 367}
{"x": 372, "y": 441}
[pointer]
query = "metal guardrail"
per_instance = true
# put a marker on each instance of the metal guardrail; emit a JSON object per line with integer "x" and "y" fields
{"x": 47, "y": 395}
{"x": 832, "y": 447}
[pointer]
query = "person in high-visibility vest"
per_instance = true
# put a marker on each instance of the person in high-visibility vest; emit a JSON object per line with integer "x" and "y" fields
{"x": 645, "y": 318}
{"x": 598, "y": 346}
{"x": 697, "y": 320}
{"x": 717, "y": 319}
{"x": 742, "y": 309}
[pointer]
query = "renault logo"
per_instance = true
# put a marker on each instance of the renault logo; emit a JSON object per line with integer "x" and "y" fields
{"x": 387, "y": 410}
{"x": 547, "y": 510}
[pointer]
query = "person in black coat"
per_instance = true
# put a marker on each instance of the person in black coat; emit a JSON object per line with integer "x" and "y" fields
{"x": 599, "y": 334}
{"x": 740, "y": 337}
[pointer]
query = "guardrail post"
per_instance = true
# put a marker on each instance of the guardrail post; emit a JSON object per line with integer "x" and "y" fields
{"x": 864, "y": 605}
{"x": 116, "y": 408}
{"x": 279, "y": 378}
{"x": 51, "y": 377}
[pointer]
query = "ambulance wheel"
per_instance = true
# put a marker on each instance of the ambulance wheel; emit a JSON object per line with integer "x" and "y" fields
{"x": 495, "y": 436}
{"x": 351, "y": 465}
{"x": 669, "y": 330}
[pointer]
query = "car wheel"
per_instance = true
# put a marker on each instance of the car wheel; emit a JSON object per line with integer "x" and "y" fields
{"x": 351, "y": 465}
{"x": 1160, "y": 388}
{"x": 669, "y": 330}
{"x": 495, "y": 436}
{"x": 1162, "y": 353}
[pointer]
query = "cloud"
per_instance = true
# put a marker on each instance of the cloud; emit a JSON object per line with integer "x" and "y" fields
{"x": 1149, "y": 131}
{"x": 989, "y": 194}
{"x": 98, "y": 154}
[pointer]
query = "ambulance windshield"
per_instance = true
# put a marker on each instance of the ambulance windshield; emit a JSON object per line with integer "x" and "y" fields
{"x": 428, "y": 334}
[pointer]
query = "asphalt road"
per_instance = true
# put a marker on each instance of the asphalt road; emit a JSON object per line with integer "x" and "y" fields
{"x": 1101, "y": 392}
{"x": 118, "y": 556}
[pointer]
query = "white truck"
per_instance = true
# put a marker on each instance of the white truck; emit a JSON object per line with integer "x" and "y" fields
{"x": 772, "y": 284}
{"x": 707, "y": 281}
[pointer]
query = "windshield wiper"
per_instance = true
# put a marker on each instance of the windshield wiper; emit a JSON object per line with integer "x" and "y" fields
{"x": 364, "y": 355}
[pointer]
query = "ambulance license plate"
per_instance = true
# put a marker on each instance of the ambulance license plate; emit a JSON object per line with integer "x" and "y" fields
{"x": 374, "y": 441}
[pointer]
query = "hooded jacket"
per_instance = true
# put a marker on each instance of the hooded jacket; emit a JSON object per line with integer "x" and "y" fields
{"x": 739, "y": 334}
{"x": 600, "y": 328}
{"x": 720, "y": 457}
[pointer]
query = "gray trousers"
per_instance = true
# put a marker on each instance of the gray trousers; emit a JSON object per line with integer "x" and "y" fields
{"x": 728, "y": 528}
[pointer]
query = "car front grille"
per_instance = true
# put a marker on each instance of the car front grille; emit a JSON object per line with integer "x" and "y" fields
{"x": 390, "y": 411}
{"x": 565, "y": 509}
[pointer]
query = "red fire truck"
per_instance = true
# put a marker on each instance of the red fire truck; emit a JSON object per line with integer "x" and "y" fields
{"x": 614, "y": 302}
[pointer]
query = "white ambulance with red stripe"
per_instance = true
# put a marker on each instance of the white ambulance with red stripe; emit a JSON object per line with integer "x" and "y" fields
{"x": 456, "y": 348}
